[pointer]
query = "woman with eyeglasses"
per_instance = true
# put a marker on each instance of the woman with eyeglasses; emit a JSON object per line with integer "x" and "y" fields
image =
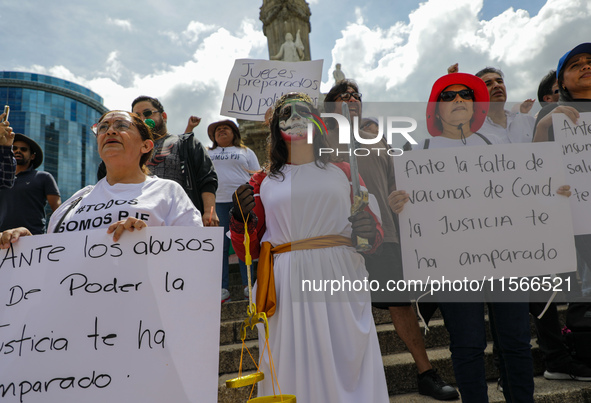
{"x": 457, "y": 108}
{"x": 127, "y": 199}
{"x": 324, "y": 347}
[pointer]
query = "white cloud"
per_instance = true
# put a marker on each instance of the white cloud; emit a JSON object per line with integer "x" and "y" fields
{"x": 124, "y": 24}
{"x": 195, "y": 29}
{"x": 395, "y": 62}
{"x": 400, "y": 63}
{"x": 114, "y": 66}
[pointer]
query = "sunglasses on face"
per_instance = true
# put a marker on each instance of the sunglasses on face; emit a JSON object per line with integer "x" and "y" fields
{"x": 345, "y": 96}
{"x": 287, "y": 111}
{"x": 448, "y": 96}
{"x": 147, "y": 113}
{"x": 23, "y": 149}
{"x": 118, "y": 125}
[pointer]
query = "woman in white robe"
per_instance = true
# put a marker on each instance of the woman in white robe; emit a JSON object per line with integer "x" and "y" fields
{"x": 324, "y": 344}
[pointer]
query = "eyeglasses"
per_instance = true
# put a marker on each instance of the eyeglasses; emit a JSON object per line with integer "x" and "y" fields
{"x": 287, "y": 111}
{"x": 147, "y": 113}
{"x": 345, "y": 96}
{"x": 118, "y": 125}
{"x": 23, "y": 149}
{"x": 448, "y": 96}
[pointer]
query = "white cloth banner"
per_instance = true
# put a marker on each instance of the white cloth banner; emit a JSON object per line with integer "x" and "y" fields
{"x": 83, "y": 319}
{"x": 482, "y": 211}
{"x": 575, "y": 140}
{"x": 255, "y": 85}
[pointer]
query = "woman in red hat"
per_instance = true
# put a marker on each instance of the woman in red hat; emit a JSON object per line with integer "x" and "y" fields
{"x": 457, "y": 109}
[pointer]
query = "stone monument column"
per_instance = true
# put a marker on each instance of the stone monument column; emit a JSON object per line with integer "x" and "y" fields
{"x": 280, "y": 18}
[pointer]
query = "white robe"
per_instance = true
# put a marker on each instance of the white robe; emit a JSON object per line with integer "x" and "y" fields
{"x": 325, "y": 348}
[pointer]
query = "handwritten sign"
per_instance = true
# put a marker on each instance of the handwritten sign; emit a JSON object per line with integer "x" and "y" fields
{"x": 255, "y": 85}
{"x": 83, "y": 319}
{"x": 575, "y": 140}
{"x": 484, "y": 211}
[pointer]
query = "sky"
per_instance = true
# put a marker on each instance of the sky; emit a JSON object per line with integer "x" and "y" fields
{"x": 182, "y": 51}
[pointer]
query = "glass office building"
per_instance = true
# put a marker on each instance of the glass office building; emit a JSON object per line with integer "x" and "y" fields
{"x": 58, "y": 115}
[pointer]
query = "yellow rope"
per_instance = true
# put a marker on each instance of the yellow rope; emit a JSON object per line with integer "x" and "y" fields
{"x": 248, "y": 261}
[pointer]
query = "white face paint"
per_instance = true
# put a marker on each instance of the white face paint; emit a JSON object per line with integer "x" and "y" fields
{"x": 293, "y": 121}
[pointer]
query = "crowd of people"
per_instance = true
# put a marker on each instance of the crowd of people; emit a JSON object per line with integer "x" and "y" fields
{"x": 302, "y": 227}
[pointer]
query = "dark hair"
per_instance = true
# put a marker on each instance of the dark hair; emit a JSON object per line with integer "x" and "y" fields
{"x": 236, "y": 141}
{"x": 487, "y": 70}
{"x": 335, "y": 91}
{"x": 565, "y": 95}
{"x": 333, "y": 94}
{"x": 154, "y": 101}
{"x": 277, "y": 146}
{"x": 145, "y": 133}
{"x": 545, "y": 87}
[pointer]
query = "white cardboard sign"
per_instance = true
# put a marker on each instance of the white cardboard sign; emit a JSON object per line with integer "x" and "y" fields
{"x": 575, "y": 140}
{"x": 84, "y": 319}
{"x": 255, "y": 85}
{"x": 484, "y": 211}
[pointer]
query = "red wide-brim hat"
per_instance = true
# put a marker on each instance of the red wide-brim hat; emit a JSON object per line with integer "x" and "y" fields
{"x": 481, "y": 100}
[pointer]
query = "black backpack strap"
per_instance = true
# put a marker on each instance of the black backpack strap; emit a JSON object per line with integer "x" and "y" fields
{"x": 72, "y": 205}
{"x": 487, "y": 141}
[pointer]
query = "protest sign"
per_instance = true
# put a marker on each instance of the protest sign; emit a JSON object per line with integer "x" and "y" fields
{"x": 84, "y": 319}
{"x": 575, "y": 140}
{"x": 255, "y": 85}
{"x": 477, "y": 212}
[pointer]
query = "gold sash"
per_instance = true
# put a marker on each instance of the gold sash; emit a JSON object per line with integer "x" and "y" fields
{"x": 266, "y": 299}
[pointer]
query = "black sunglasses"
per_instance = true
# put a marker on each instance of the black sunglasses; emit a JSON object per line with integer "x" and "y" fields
{"x": 345, "y": 96}
{"x": 147, "y": 113}
{"x": 448, "y": 96}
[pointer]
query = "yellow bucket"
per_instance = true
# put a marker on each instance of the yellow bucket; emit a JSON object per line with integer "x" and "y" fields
{"x": 245, "y": 380}
{"x": 274, "y": 399}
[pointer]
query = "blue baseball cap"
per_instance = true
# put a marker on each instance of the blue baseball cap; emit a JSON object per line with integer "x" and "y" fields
{"x": 577, "y": 50}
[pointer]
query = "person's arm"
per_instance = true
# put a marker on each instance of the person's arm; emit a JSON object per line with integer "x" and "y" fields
{"x": 7, "y": 167}
{"x": 397, "y": 199}
{"x": 543, "y": 126}
{"x": 210, "y": 217}
{"x": 526, "y": 106}
{"x": 192, "y": 123}
{"x": 204, "y": 179}
{"x": 7, "y": 161}
{"x": 52, "y": 192}
{"x": 54, "y": 201}
{"x": 249, "y": 199}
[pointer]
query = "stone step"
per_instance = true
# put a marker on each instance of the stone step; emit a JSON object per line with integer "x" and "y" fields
{"x": 399, "y": 367}
{"x": 402, "y": 383}
{"x": 437, "y": 336}
{"x": 545, "y": 392}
